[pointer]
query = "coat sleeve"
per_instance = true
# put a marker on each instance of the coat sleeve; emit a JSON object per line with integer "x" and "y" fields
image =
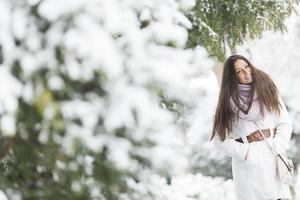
{"x": 284, "y": 128}
{"x": 232, "y": 148}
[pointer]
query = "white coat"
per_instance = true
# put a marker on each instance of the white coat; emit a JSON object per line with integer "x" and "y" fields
{"x": 255, "y": 178}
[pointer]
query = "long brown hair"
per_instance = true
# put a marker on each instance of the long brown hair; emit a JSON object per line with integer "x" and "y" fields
{"x": 265, "y": 88}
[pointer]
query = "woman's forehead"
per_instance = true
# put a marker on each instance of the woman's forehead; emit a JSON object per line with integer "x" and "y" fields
{"x": 239, "y": 63}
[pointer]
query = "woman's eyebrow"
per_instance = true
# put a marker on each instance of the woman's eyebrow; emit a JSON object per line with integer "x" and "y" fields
{"x": 240, "y": 68}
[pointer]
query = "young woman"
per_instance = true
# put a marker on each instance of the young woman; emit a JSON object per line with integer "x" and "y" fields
{"x": 249, "y": 100}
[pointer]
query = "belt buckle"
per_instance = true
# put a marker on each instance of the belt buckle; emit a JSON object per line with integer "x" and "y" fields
{"x": 254, "y": 137}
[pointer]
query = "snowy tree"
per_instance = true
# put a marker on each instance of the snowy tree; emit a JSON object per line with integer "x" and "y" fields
{"x": 222, "y": 25}
{"x": 92, "y": 92}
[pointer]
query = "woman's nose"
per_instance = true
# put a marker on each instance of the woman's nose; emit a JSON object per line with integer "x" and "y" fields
{"x": 245, "y": 71}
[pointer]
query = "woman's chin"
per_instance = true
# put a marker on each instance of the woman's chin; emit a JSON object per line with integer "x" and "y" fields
{"x": 248, "y": 82}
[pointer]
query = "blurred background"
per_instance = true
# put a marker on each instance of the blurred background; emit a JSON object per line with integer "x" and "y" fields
{"x": 114, "y": 99}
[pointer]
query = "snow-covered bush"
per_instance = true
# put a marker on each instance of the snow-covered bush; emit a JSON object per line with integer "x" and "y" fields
{"x": 94, "y": 94}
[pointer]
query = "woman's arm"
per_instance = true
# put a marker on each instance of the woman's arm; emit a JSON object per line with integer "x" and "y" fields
{"x": 284, "y": 128}
{"x": 233, "y": 148}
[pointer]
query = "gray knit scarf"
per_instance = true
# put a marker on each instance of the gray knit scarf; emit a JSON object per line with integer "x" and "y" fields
{"x": 249, "y": 107}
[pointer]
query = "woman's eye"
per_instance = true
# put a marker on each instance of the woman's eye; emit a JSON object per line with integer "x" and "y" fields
{"x": 238, "y": 72}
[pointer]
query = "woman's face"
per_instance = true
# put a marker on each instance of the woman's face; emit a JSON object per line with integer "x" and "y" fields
{"x": 243, "y": 71}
